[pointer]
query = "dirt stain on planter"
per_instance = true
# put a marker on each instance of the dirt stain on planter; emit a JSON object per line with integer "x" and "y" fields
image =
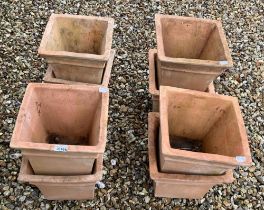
{"x": 54, "y": 138}
{"x": 183, "y": 143}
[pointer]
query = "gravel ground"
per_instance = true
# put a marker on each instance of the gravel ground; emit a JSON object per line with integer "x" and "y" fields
{"x": 126, "y": 178}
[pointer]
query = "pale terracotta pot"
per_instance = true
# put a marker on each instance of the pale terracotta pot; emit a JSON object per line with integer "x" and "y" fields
{"x": 78, "y": 187}
{"x": 50, "y": 76}
{"x": 153, "y": 81}
{"x": 190, "y": 118}
{"x": 192, "y": 52}
{"x": 61, "y": 129}
{"x": 77, "y": 47}
{"x": 177, "y": 185}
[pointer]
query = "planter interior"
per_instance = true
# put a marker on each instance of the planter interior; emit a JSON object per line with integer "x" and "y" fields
{"x": 191, "y": 38}
{"x": 53, "y": 114}
{"x": 78, "y": 35}
{"x": 77, "y": 187}
{"x": 197, "y": 125}
{"x": 62, "y": 116}
{"x": 177, "y": 185}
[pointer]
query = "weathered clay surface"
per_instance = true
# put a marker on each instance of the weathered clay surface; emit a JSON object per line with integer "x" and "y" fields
{"x": 177, "y": 185}
{"x": 213, "y": 122}
{"x": 61, "y": 129}
{"x": 77, "y": 47}
{"x": 50, "y": 76}
{"x": 78, "y": 187}
{"x": 192, "y": 52}
{"x": 153, "y": 81}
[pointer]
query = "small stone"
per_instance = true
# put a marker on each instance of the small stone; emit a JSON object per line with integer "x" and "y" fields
{"x": 100, "y": 185}
{"x": 147, "y": 199}
{"x": 113, "y": 162}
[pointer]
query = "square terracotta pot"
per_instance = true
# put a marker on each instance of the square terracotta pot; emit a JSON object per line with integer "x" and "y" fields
{"x": 153, "y": 81}
{"x": 61, "y": 129}
{"x": 177, "y": 185}
{"x": 77, "y": 47}
{"x": 192, "y": 52}
{"x": 78, "y": 187}
{"x": 201, "y": 133}
{"x": 50, "y": 76}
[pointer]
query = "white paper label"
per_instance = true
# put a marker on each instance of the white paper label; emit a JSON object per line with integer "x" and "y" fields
{"x": 223, "y": 62}
{"x": 240, "y": 159}
{"x": 103, "y": 89}
{"x": 61, "y": 148}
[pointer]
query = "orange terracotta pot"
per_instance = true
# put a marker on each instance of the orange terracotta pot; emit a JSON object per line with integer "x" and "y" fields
{"x": 201, "y": 133}
{"x": 153, "y": 81}
{"x": 192, "y": 52}
{"x": 50, "y": 76}
{"x": 177, "y": 185}
{"x": 61, "y": 129}
{"x": 78, "y": 187}
{"x": 77, "y": 47}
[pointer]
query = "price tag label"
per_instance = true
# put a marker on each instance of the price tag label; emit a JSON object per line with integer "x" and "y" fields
{"x": 223, "y": 62}
{"x": 103, "y": 89}
{"x": 240, "y": 159}
{"x": 61, "y": 148}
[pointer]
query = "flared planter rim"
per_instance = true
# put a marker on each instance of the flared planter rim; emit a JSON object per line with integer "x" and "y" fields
{"x": 228, "y": 63}
{"x": 66, "y": 54}
{"x": 156, "y": 175}
{"x": 220, "y": 160}
{"x": 17, "y": 143}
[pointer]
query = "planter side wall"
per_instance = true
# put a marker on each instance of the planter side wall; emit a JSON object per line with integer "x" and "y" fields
{"x": 187, "y": 76}
{"x": 181, "y": 190}
{"x": 153, "y": 81}
{"x": 64, "y": 165}
{"x": 78, "y": 73}
{"x": 62, "y": 192}
{"x": 51, "y": 78}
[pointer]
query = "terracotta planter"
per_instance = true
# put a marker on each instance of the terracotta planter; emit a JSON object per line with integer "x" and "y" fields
{"x": 192, "y": 52}
{"x": 153, "y": 81}
{"x": 50, "y": 76}
{"x": 78, "y": 187}
{"x": 61, "y": 129}
{"x": 177, "y": 185}
{"x": 77, "y": 47}
{"x": 201, "y": 133}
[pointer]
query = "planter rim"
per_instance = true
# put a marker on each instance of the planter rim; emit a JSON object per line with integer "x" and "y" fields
{"x": 197, "y": 156}
{"x": 67, "y": 54}
{"x": 48, "y": 179}
{"x": 99, "y": 148}
{"x": 156, "y": 175}
{"x": 49, "y": 77}
{"x": 205, "y": 63}
{"x": 153, "y": 89}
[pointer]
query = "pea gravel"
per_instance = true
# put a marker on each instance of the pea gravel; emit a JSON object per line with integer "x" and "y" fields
{"x": 126, "y": 183}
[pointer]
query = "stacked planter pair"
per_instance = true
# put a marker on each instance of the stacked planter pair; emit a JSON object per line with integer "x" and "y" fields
{"x": 62, "y": 128}
{"x": 198, "y": 137}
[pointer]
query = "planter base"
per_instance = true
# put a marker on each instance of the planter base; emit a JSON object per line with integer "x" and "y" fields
{"x": 177, "y": 185}
{"x": 51, "y": 78}
{"x": 153, "y": 81}
{"x": 63, "y": 187}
